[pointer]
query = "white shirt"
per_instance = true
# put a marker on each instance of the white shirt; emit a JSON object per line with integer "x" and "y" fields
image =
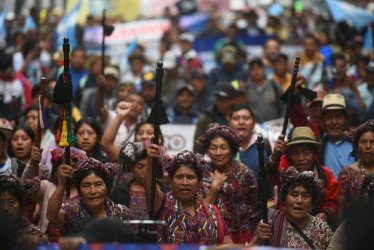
{"x": 124, "y": 134}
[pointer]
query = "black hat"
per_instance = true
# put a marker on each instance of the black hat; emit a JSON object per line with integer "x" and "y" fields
{"x": 197, "y": 73}
{"x": 225, "y": 89}
{"x": 186, "y": 86}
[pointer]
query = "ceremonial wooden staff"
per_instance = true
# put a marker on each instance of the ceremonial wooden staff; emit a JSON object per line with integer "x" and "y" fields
{"x": 290, "y": 96}
{"x": 262, "y": 191}
{"x": 157, "y": 117}
{"x": 107, "y": 31}
{"x": 63, "y": 94}
{"x": 15, "y": 108}
{"x": 38, "y": 138}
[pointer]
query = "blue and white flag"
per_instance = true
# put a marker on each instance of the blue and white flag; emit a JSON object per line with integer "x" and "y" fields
{"x": 66, "y": 27}
{"x": 368, "y": 41}
{"x": 124, "y": 64}
{"x": 2, "y": 24}
{"x": 342, "y": 11}
{"x": 30, "y": 23}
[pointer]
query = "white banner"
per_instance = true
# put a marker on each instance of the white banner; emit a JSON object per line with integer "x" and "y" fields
{"x": 144, "y": 30}
{"x": 178, "y": 137}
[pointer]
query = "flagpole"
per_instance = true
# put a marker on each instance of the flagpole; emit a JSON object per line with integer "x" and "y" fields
{"x": 39, "y": 128}
{"x": 15, "y": 108}
{"x": 103, "y": 45}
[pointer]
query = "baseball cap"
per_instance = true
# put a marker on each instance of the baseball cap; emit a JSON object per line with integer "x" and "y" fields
{"x": 225, "y": 89}
{"x": 111, "y": 71}
{"x": 197, "y": 73}
{"x": 228, "y": 54}
{"x": 187, "y": 37}
{"x": 186, "y": 86}
{"x": 239, "y": 86}
{"x": 149, "y": 77}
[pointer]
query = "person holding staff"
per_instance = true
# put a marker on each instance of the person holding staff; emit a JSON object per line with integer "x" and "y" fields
{"x": 190, "y": 219}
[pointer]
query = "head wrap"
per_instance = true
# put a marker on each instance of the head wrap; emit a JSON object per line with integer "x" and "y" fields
{"x": 27, "y": 187}
{"x": 184, "y": 156}
{"x": 131, "y": 152}
{"x": 88, "y": 163}
{"x": 352, "y": 135}
{"x": 224, "y": 131}
{"x": 75, "y": 155}
{"x": 306, "y": 177}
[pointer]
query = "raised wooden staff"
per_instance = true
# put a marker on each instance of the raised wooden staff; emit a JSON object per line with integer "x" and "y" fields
{"x": 157, "y": 117}
{"x": 262, "y": 181}
{"x": 107, "y": 31}
{"x": 63, "y": 94}
{"x": 38, "y": 138}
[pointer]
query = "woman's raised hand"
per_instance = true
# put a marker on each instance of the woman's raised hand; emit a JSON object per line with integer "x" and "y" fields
{"x": 64, "y": 171}
{"x": 36, "y": 154}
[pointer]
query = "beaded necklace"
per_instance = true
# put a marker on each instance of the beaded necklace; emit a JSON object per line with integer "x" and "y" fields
{"x": 362, "y": 169}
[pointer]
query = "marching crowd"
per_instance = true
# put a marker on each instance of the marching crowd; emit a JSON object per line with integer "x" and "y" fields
{"x": 318, "y": 181}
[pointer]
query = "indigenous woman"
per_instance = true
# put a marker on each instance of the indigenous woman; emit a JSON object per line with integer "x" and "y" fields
{"x": 132, "y": 193}
{"x": 189, "y": 218}
{"x": 227, "y": 183}
{"x": 13, "y": 192}
{"x": 8, "y": 164}
{"x": 31, "y": 120}
{"x": 48, "y": 187}
{"x": 21, "y": 143}
{"x": 89, "y": 133}
{"x": 143, "y": 133}
{"x": 293, "y": 227}
{"x": 93, "y": 180}
{"x": 351, "y": 177}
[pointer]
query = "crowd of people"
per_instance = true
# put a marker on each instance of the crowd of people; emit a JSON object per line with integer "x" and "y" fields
{"x": 318, "y": 180}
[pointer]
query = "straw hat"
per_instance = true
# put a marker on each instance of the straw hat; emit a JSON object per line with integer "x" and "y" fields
{"x": 302, "y": 135}
{"x": 333, "y": 101}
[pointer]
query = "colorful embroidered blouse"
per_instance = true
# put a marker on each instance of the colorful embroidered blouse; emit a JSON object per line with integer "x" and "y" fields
{"x": 350, "y": 181}
{"x": 317, "y": 230}
{"x": 234, "y": 198}
{"x": 138, "y": 205}
{"x": 206, "y": 227}
{"x": 80, "y": 212}
{"x": 25, "y": 227}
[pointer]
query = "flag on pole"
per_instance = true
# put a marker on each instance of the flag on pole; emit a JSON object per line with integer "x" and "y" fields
{"x": 342, "y": 11}
{"x": 30, "y": 23}
{"x": 66, "y": 27}
{"x": 124, "y": 65}
{"x": 42, "y": 115}
{"x": 2, "y": 24}
{"x": 368, "y": 40}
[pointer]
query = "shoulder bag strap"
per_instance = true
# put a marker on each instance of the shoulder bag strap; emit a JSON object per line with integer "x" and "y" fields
{"x": 310, "y": 243}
